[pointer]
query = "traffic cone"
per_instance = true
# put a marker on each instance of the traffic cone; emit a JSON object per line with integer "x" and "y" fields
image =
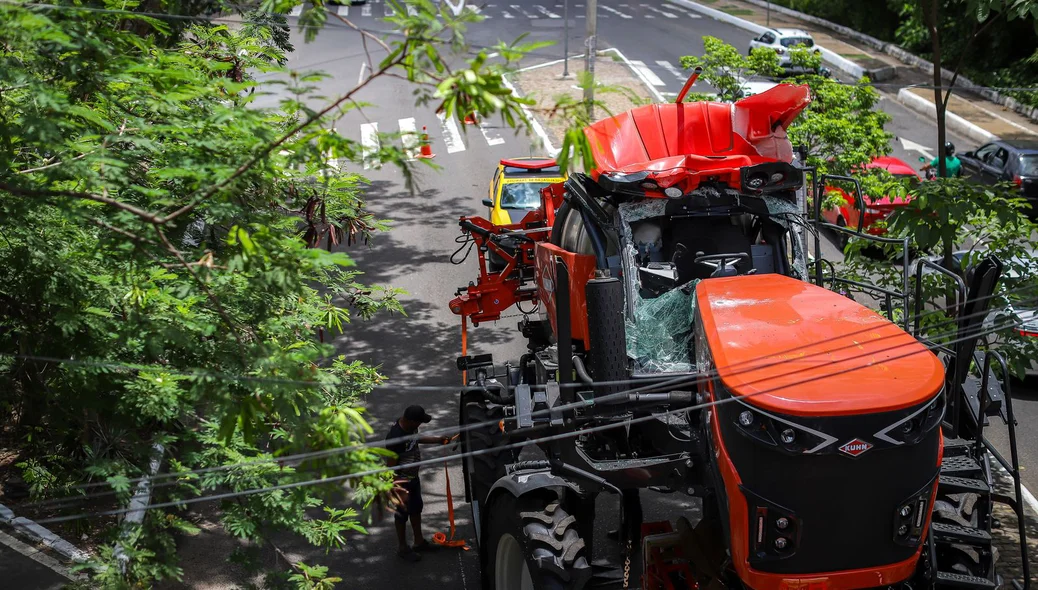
{"x": 426, "y": 151}
{"x": 470, "y": 119}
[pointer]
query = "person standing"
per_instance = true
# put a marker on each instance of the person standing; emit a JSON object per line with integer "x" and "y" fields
{"x": 403, "y": 440}
{"x": 952, "y": 164}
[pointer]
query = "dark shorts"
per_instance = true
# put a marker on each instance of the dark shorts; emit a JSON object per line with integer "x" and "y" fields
{"x": 414, "y": 502}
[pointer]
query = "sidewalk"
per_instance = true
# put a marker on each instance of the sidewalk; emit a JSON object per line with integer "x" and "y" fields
{"x": 970, "y": 114}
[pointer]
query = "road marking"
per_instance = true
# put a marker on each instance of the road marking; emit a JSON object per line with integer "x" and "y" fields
{"x": 296, "y": 10}
{"x": 507, "y": 14}
{"x": 411, "y": 10}
{"x": 673, "y": 70}
{"x": 518, "y": 9}
{"x": 657, "y": 10}
{"x": 451, "y": 135}
{"x": 369, "y": 144}
{"x": 478, "y": 11}
{"x": 615, "y": 11}
{"x": 690, "y": 14}
{"x": 387, "y": 10}
{"x": 911, "y": 146}
{"x": 491, "y": 134}
{"x": 344, "y": 10}
{"x": 647, "y": 73}
{"x": 546, "y": 11}
{"x": 365, "y": 10}
{"x": 408, "y": 136}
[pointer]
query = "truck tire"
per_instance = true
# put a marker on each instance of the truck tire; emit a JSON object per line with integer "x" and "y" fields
{"x": 484, "y": 468}
{"x": 533, "y": 543}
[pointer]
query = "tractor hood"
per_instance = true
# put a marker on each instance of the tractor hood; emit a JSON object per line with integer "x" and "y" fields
{"x": 797, "y": 349}
{"x": 678, "y": 144}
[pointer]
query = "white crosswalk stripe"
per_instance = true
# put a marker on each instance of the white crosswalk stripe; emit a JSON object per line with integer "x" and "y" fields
{"x": 344, "y": 10}
{"x": 369, "y": 144}
{"x": 365, "y": 10}
{"x": 658, "y": 11}
{"x": 491, "y": 134}
{"x": 615, "y": 11}
{"x": 408, "y": 136}
{"x": 506, "y": 14}
{"x": 451, "y": 134}
{"x": 296, "y": 10}
{"x": 519, "y": 9}
{"x": 646, "y": 73}
{"x": 687, "y": 12}
{"x": 387, "y": 10}
{"x": 546, "y": 12}
{"x": 670, "y": 68}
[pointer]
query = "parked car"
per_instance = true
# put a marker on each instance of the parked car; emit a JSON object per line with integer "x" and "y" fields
{"x": 515, "y": 189}
{"x": 782, "y": 40}
{"x": 1007, "y": 160}
{"x": 751, "y": 86}
{"x": 847, "y": 214}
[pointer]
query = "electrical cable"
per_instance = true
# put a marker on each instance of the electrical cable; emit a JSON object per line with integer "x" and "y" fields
{"x": 457, "y": 430}
{"x": 496, "y": 449}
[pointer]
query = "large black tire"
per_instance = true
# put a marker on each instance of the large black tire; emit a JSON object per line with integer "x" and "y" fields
{"x": 484, "y": 469}
{"x": 547, "y": 536}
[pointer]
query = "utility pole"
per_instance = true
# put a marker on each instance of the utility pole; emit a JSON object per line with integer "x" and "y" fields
{"x": 768, "y": 17}
{"x": 565, "y": 39}
{"x": 589, "y": 61}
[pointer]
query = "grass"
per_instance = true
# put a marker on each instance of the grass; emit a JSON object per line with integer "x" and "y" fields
{"x": 736, "y": 11}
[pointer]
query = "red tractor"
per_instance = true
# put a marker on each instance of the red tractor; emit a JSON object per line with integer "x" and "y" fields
{"x": 680, "y": 346}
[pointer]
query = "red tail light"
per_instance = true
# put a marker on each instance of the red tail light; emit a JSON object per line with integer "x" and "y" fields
{"x": 1028, "y": 333}
{"x": 1018, "y": 181}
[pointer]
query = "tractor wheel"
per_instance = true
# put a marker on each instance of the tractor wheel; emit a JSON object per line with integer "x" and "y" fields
{"x": 533, "y": 543}
{"x": 484, "y": 468}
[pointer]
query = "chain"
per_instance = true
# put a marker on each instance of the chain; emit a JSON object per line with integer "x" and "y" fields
{"x": 627, "y": 565}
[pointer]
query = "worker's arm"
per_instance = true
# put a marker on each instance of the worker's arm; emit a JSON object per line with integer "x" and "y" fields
{"x": 434, "y": 440}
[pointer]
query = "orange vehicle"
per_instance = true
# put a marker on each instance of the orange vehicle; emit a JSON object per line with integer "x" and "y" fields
{"x": 678, "y": 345}
{"x": 876, "y": 209}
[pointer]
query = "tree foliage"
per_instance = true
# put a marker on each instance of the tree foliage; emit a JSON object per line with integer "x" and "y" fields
{"x": 171, "y": 267}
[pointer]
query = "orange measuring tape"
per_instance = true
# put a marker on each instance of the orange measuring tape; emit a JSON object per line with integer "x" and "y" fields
{"x": 440, "y": 538}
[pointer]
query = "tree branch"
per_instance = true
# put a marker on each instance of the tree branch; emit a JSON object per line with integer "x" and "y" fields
{"x": 271, "y": 146}
{"x": 27, "y": 192}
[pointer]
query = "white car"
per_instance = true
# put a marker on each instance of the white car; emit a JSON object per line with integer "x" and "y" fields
{"x": 782, "y": 40}
{"x": 755, "y": 86}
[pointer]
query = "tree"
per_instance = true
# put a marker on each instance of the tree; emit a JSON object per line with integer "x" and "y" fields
{"x": 170, "y": 266}
{"x": 725, "y": 68}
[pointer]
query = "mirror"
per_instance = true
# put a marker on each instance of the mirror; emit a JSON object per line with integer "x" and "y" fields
{"x": 968, "y": 154}
{"x": 488, "y": 203}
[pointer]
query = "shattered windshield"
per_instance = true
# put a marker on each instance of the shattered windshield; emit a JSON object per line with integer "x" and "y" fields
{"x": 522, "y": 195}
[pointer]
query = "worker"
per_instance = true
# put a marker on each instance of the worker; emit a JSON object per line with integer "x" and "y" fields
{"x": 403, "y": 440}
{"x": 952, "y": 165}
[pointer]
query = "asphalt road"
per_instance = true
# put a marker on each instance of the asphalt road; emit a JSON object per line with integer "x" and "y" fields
{"x": 419, "y": 349}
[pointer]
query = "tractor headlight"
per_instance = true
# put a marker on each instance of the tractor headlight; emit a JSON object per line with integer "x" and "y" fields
{"x": 780, "y": 432}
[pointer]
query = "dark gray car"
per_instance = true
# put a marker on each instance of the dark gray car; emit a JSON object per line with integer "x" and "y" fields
{"x": 1014, "y": 161}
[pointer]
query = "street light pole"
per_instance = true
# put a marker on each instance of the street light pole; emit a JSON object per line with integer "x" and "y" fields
{"x": 589, "y": 62}
{"x": 565, "y": 39}
{"x": 768, "y": 18}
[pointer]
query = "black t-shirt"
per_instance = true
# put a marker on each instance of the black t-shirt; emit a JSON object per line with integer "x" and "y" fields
{"x": 406, "y": 450}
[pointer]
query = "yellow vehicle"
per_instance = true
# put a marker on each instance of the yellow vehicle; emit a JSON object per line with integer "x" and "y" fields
{"x": 516, "y": 187}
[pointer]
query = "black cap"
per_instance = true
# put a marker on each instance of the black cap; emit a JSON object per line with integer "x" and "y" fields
{"x": 417, "y": 414}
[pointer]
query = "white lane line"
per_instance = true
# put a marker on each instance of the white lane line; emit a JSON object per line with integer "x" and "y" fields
{"x": 408, "y": 136}
{"x": 387, "y": 10}
{"x": 546, "y": 12}
{"x": 658, "y": 11}
{"x": 411, "y": 10}
{"x": 491, "y": 134}
{"x": 296, "y": 10}
{"x": 478, "y": 11}
{"x": 684, "y": 10}
{"x": 673, "y": 70}
{"x": 507, "y": 14}
{"x": 647, "y": 73}
{"x": 519, "y": 9}
{"x": 369, "y": 144}
{"x": 451, "y": 135}
{"x": 365, "y": 10}
{"x": 615, "y": 11}
{"x": 344, "y": 10}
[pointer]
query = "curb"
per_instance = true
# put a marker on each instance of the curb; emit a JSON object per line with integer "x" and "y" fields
{"x": 828, "y": 56}
{"x": 40, "y": 534}
{"x": 954, "y": 122}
